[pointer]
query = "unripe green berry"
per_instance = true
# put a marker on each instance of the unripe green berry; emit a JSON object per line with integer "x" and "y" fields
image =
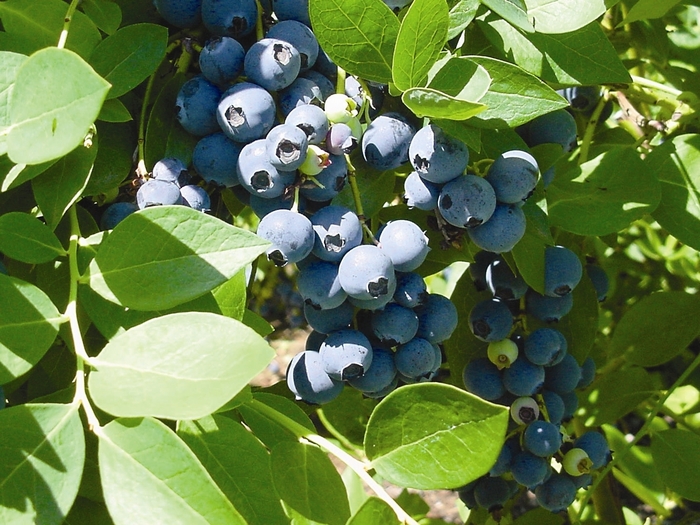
{"x": 503, "y": 353}
{"x": 316, "y": 160}
{"x": 524, "y": 410}
{"x": 576, "y": 462}
{"x": 340, "y": 108}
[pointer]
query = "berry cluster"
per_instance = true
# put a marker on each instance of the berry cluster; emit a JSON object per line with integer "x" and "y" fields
{"x": 534, "y": 374}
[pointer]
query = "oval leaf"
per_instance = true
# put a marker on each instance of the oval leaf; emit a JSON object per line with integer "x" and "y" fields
{"x": 675, "y": 325}
{"x": 27, "y": 330}
{"x": 529, "y": 252}
{"x": 104, "y": 13}
{"x": 677, "y": 163}
{"x": 422, "y": 35}
{"x": 677, "y": 461}
{"x": 43, "y": 454}
{"x": 427, "y": 102}
{"x": 9, "y": 65}
{"x": 56, "y": 98}
{"x": 374, "y": 511}
{"x": 563, "y": 16}
{"x": 514, "y": 11}
{"x": 129, "y": 56}
{"x": 358, "y": 35}
{"x": 163, "y": 256}
{"x": 430, "y": 436}
{"x": 239, "y": 464}
{"x": 603, "y": 195}
{"x": 197, "y": 363}
{"x": 27, "y": 239}
{"x": 150, "y": 476}
{"x": 514, "y": 96}
{"x": 296, "y": 468}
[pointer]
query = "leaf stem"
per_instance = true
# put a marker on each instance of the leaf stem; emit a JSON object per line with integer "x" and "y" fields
{"x": 642, "y": 432}
{"x": 340, "y": 81}
{"x": 72, "y": 314}
{"x": 66, "y": 24}
{"x": 360, "y": 468}
{"x": 650, "y": 84}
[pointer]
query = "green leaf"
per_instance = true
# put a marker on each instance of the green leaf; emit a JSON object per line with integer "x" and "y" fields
{"x": 514, "y": 11}
{"x": 30, "y": 25}
{"x": 150, "y": 476}
{"x": 427, "y": 102}
{"x": 673, "y": 328}
{"x": 56, "y": 98}
{"x": 309, "y": 484}
{"x": 615, "y": 395}
{"x": 27, "y": 239}
{"x": 585, "y": 56}
{"x": 358, "y": 35}
{"x": 648, "y": 9}
{"x": 461, "y": 130}
{"x": 529, "y": 252}
{"x": 677, "y": 164}
{"x": 231, "y": 296}
{"x": 176, "y": 375}
{"x": 461, "y": 15}
{"x": 374, "y": 511}
{"x": 129, "y": 56}
{"x": 431, "y": 435}
{"x": 113, "y": 162}
{"x": 238, "y": 463}
{"x": 87, "y": 512}
{"x": 165, "y": 137}
{"x": 539, "y": 516}
{"x": 563, "y": 16}
{"x": 515, "y": 96}
{"x": 43, "y": 452}
{"x": 349, "y": 413}
{"x": 114, "y": 111}
{"x": 104, "y": 13}
{"x": 603, "y": 195}
{"x": 17, "y": 174}
{"x": 150, "y": 259}
{"x": 421, "y": 37}
{"x": 60, "y": 186}
{"x": 27, "y": 330}
{"x": 9, "y": 66}
{"x": 677, "y": 461}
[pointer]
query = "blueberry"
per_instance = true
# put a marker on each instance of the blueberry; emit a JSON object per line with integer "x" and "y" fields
{"x": 564, "y": 376}
{"x": 522, "y": 378}
{"x": 437, "y": 318}
{"x": 436, "y": 156}
{"x": 319, "y": 285}
{"x": 490, "y": 320}
{"x": 307, "y": 379}
{"x": 301, "y": 92}
{"x": 562, "y": 271}
{"x": 394, "y": 324}
{"x": 272, "y": 63}
{"x": 346, "y": 354}
{"x": 529, "y": 470}
{"x": 286, "y": 147}
{"x": 545, "y": 346}
{"x": 195, "y": 197}
{"x": 330, "y": 319}
{"x": 557, "y": 493}
{"x": 329, "y": 182}
{"x": 419, "y": 193}
{"x": 554, "y": 405}
{"x": 246, "y": 112}
{"x": 115, "y": 213}
{"x": 502, "y": 231}
{"x": 215, "y": 157}
{"x": 467, "y": 201}
{"x": 548, "y": 309}
{"x": 311, "y": 120}
{"x": 386, "y": 141}
{"x": 366, "y": 272}
{"x": 588, "y": 369}
{"x": 411, "y": 290}
{"x": 290, "y": 233}
{"x": 483, "y": 379}
{"x": 502, "y": 282}
{"x": 221, "y": 60}
{"x": 542, "y": 438}
{"x": 600, "y": 280}
{"x": 596, "y": 446}
{"x": 180, "y": 13}
{"x": 234, "y": 19}
{"x": 337, "y": 230}
{"x": 405, "y": 244}
{"x": 477, "y": 269}
{"x": 300, "y": 36}
{"x": 557, "y": 127}
{"x": 258, "y": 175}
{"x": 196, "y": 104}
{"x": 513, "y": 176}
{"x": 380, "y": 375}
{"x": 170, "y": 169}
{"x": 156, "y": 192}
{"x": 415, "y": 359}
{"x": 492, "y": 493}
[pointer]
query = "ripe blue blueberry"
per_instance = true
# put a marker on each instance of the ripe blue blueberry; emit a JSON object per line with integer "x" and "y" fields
{"x": 215, "y": 157}
{"x": 309, "y": 382}
{"x": 562, "y": 271}
{"x": 246, "y": 112}
{"x": 386, "y": 141}
{"x": 346, "y": 354}
{"x": 221, "y": 60}
{"x": 490, "y": 320}
{"x": 290, "y": 233}
{"x": 196, "y": 105}
{"x": 234, "y": 19}
{"x": 502, "y": 231}
{"x": 542, "y": 438}
{"x": 522, "y": 378}
{"x": 437, "y": 318}
{"x": 405, "y": 244}
{"x": 467, "y": 201}
{"x": 337, "y": 230}
{"x": 557, "y": 493}
{"x": 436, "y": 156}
{"x": 513, "y": 176}
{"x": 366, "y": 272}
{"x": 482, "y": 378}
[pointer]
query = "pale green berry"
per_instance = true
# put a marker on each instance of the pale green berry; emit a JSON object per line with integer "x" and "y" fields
{"x": 316, "y": 160}
{"x": 340, "y": 108}
{"x": 524, "y": 410}
{"x": 576, "y": 462}
{"x": 503, "y": 353}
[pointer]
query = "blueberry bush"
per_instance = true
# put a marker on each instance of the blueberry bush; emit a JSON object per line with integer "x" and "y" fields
{"x": 486, "y": 213}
